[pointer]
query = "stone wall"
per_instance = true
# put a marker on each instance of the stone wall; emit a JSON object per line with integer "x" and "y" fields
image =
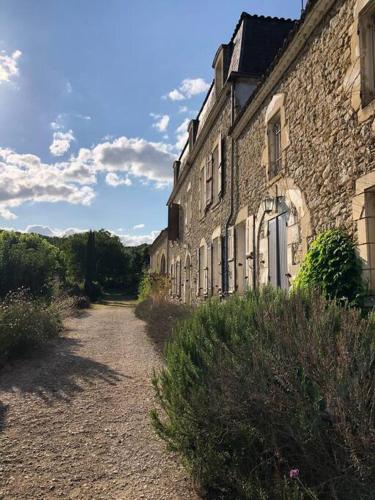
{"x": 327, "y": 142}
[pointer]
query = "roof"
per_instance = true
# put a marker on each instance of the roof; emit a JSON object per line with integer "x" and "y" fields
{"x": 297, "y": 25}
{"x": 261, "y": 40}
{"x": 163, "y": 234}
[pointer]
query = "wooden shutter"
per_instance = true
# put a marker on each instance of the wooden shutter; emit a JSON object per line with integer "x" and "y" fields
{"x": 209, "y": 180}
{"x": 209, "y": 269}
{"x": 203, "y": 189}
{"x": 199, "y": 193}
{"x": 272, "y": 253}
{"x": 197, "y": 271}
{"x": 249, "y": 235}
{"x": 173, "y": 222}
{"x": 220, "y": 262}
{"x": 231, "y": 261}
{"x": 220, "y": 169}
{"x": 231, "y": 243}
{"x": 283, "y": 247}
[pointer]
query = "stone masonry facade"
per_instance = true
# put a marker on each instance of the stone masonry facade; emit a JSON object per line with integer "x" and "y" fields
{"x": 296, "y": 142}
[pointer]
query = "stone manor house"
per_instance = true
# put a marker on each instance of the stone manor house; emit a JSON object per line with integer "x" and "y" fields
{"x": 282, "y": 148}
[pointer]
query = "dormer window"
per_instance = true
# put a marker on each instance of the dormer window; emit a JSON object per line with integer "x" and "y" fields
{"x": 176, "y": 171}
{"x": 367, "y": 48}
{"x": 219, "y": 74}
{"x": 220, "y": 65}
{"x": 192, "y": 129}
{"x": 274, "y": 146}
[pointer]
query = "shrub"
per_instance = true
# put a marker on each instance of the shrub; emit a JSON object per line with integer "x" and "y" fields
{"x": 154, "y": 286}
{"x": 161, "y": 317}
{"x": 26, "y": 322}
{"x": 332, "y": 265}
{"x": 256, "y": 387}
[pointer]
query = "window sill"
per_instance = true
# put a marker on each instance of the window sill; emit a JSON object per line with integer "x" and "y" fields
{"x": 366, "y": 112}
{"x": 276, "y": 178}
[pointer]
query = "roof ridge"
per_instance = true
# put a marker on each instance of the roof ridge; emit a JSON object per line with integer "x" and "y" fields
{"x": 261, "y": 16}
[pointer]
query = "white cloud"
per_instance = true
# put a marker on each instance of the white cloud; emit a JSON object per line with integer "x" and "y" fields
{"x": 182, "y": 134}
{"x": 68, "y": 87}
{"x": 188, "y": 88}
{"x": 183, "y": 109}
{"x": 139, "y": 226}
{"x": 9, "y": 65}
{"x": 26, "y": 178}
{"x": 112, "y": 179}
{"x": 161, "y": 122}
{"x": 132, "y": 241}
{"x": 175, "y": 95}
{"x": 61, "y": 142}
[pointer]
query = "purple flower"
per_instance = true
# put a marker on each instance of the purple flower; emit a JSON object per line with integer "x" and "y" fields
{"x": 294, "y": 473}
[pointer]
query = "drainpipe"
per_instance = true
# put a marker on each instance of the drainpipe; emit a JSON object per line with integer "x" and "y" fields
{"x": 225, "y": 256}
{"x": 255, "y": 258}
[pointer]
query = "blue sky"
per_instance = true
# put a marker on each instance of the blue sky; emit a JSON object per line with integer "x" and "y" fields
{"x": 95, "y": 96}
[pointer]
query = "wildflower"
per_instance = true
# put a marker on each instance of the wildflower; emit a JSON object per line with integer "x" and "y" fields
{"x": 294, "y": 473}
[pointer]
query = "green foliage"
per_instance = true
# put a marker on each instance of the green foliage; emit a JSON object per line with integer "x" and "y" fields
{"x": 29, "y": 261}
{"x": 111, "y": 265}
{"x": 257, "y": 386}
{"x": 26, "y": 322}
{"x": 332, "y": 265}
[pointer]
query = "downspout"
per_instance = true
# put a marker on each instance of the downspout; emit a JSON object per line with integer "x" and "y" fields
{"x": 225, "y": 259}
{"x": 255, "y": 258}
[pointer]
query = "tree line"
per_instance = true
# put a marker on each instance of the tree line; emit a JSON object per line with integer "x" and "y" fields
{"x": 87, "y": 263}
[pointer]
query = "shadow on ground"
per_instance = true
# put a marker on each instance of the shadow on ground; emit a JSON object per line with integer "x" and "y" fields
{"x": 161, "y": 318}
{"x": 117, "y": 299}
{"x": 55, "y": 373}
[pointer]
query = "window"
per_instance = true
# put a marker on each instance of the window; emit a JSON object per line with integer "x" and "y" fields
{"x": 274, "y": 146}
{"x": 188, "y": 208}
{"x": 367, "y": 49}
{"x": 219, "y": 76}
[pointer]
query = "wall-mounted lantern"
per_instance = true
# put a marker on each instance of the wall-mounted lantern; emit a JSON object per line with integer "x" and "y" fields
{"x": 269, "y": 204}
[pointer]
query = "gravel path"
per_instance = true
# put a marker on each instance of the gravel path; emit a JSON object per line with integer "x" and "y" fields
{"x": 74, "y": 418}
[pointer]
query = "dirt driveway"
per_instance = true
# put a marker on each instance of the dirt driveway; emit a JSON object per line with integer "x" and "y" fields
{"x": 74, "y": 418}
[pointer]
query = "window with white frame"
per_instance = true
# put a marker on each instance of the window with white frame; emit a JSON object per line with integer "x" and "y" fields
{"x": 274, "y": 146}
{"x": 367, "y": 49}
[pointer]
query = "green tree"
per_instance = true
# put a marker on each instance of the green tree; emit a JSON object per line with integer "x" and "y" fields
{"x": 29, "y": 261}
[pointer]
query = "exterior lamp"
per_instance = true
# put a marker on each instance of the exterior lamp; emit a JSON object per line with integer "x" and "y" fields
{"x": 268, "y": 205}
